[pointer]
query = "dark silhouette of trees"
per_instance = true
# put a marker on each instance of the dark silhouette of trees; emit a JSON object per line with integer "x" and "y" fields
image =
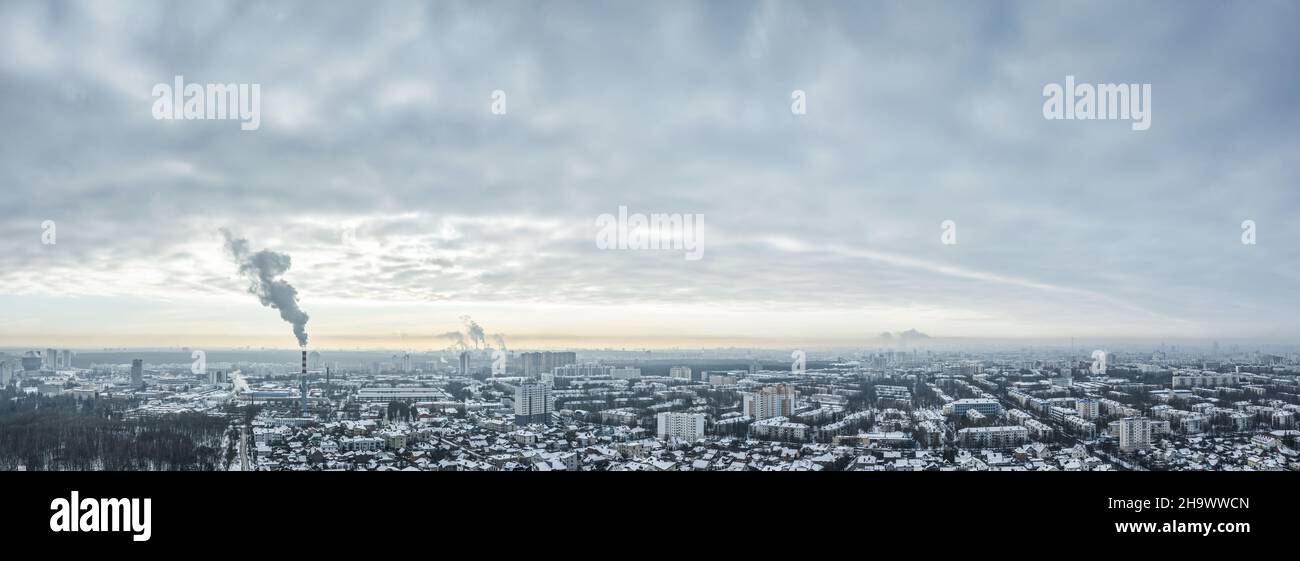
{"x": 459, "y": 391}
{"x": 400, "y": 410}
{"x": 63, "y": 433}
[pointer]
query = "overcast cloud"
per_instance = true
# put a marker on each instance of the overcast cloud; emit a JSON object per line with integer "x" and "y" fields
{"x": 405, "y": 203}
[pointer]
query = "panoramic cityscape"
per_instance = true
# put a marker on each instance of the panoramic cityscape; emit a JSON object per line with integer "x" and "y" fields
{"x": 900, "y": 406}
{"x": 293, "y": 276}
{"x": 678, "y": 236}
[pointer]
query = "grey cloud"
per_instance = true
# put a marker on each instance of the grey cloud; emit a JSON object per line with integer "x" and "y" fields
{"x": 376, "y": 116}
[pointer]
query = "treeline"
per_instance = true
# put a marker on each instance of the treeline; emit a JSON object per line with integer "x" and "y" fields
{"x": 62, "y": 433}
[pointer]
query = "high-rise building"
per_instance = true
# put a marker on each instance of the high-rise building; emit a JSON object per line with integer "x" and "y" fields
{"x": 628, "y": 373}
{"x": 771, "y": 401}
{"x": 1134, "y": 433}
{"x": 536, "y": 363}
{"x": 993, "y": 437}
{"x": 66, "y": 355}
{"x": 680, "y": 372}
{"x": 6, "y": 373}
{"x": 137, "y": 373}
{"x": 464, "y": 363}
{"x": 722, "y": 379}
{"x": 896, "y": 393}
{"x": 683, "y": 426}
{"x": 1088, "y": 408}
{"x": 51, "y": 359}
{"x": 986, "y": 407}
{"x": 533, "y": 404}
{"x": 585, "y": 370}
{"x": 1189, "y": 379}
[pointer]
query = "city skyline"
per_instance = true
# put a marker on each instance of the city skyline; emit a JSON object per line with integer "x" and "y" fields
{"x": 433, "y": 345}
{"x": 406, "y": 201}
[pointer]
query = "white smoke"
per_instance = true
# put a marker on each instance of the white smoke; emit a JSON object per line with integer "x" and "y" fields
{"x": 238, "y": 381}
{"x": 263, "y": 269}
{"x": 473, "y": 332}
{"x": 472, "y": 338}
{"x": 457, "y": 340}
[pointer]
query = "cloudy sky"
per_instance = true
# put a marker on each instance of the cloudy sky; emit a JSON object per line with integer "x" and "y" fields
{"x": 405, "y": 203}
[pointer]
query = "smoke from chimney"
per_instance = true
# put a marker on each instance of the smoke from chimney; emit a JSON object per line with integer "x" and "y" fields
{"x": 474, "y": 332}
{"x": 472, "y": 338}
{"x": 237, "y": 381}
{"x": 457, "y": 340}
{"x": 263, "y": 269}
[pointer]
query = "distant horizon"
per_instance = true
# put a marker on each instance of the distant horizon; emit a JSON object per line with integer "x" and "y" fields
{"x": 1082, "y": 345}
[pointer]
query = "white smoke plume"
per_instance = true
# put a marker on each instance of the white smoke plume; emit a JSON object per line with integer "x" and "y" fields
{"x": 238, "y": 381}
{"x": 472, "y": 337}
{"x": 263, "y": 269}
{"x": 457, "y": 340}
{"x": 474, "y": 332}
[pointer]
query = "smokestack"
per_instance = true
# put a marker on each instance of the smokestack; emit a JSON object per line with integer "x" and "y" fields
{"x": 302, "y": 385}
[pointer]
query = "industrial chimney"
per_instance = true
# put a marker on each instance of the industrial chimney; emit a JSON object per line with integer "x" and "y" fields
{"x": 302, "y": 384}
